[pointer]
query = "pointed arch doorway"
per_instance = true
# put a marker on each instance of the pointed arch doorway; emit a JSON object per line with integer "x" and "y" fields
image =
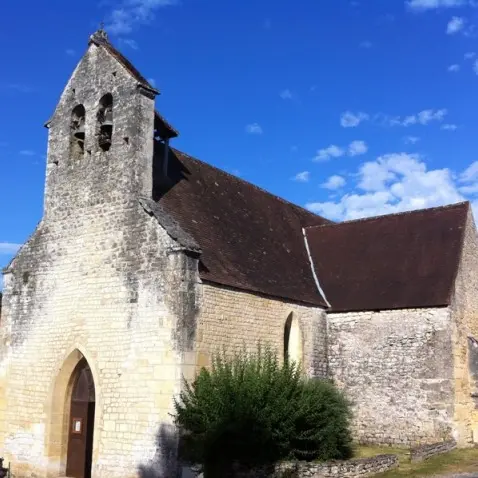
{"x": 82, "y": 419}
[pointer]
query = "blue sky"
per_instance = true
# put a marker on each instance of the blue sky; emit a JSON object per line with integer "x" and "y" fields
{"x": 350, "y": 108}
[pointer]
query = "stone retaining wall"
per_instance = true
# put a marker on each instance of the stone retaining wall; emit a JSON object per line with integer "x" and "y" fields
{"x": 424, "y": 452}
{"x": 350, "y": 469}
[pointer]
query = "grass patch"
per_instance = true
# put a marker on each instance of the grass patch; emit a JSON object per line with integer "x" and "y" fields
{"x": 456, "y": 461}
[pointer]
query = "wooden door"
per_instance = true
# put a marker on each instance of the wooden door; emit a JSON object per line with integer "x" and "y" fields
{"x": 80, "y": 438}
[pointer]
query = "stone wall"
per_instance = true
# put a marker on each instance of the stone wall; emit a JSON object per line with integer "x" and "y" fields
{"x": 424, "y": 452}
{"x": 465, "y": 315}
{"x": 340, "y": 469}
{"x": 233, "y": 320}
{"x": 99, "y": 278}
{"x": 396, "y": 367}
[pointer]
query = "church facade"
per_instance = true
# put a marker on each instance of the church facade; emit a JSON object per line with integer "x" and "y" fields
{"x": 147, "y": 262}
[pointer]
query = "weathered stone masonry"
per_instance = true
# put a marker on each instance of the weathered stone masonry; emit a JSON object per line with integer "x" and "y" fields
{"x": 465, "y": 333}
{"x": 238, "y": 320}
{"x": 99, "y": 275}
{"x": 395, "y": 366}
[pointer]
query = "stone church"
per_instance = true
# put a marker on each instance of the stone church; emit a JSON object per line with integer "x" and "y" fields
{"x": 148, "y": 261}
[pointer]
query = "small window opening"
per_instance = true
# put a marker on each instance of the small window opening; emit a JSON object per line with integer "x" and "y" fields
{"x": 126, "y": 139}
{"x": 77, "y": 132}
{"x": 105, "y": 121}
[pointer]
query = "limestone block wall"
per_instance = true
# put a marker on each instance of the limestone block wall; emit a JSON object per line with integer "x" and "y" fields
{"x": 397, "y": 369}
{"x": 99, "y": 278}
{"x": 236, "y": 320}
{"x": 80, "y": 298}
{"x": 465, "y": 316}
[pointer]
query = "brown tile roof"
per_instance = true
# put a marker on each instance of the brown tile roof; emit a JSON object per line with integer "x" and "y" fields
{"x": 165, "y": 129}
{"x": 250, "y": 239}
{"x": 389, "y": 262}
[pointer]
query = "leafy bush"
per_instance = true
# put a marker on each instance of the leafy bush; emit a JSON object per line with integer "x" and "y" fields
{"x": 253, "y": 411}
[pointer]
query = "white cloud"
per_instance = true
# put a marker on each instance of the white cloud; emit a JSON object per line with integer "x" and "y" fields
{"x": 373, "y": 177}
{"x": 426, "y": 116}
{"x": 9, "y": 247}
{"x": 475, "y": 66}
{"x": 449, "y": 127}
{"x": 254, "y": 128}
{"x": 470, "y": 190}
{"x": 469, "y": 55}
{"x": 357, "y": 148}
{"x": 302, "y": 177}
{"x": 366, "y": 44}
{"x": 331, "y": 151}
{"x": 286, "y": 94}
{"x": 27, "y": 152}
{"x": 470, "y": 173}
{"x": 352, "y": 120}
{"x": 329, "y": 209}
{"x": 334, "y": 182}
{"x": 132, "y": 13}
{"x": 129, "y": 42}
{"x": 394, "y": 183}
{"x": 411, "y": 139}
{"x": 21, "y": 88}
{"x": 422, "y": 5}
{"x": 454, "y": 68}
{"x": 423, "y": 117}
{"x": 455, "y": 25}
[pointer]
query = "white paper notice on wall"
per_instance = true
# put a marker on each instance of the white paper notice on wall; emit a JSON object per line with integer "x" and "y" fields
{"x": 77, "y": 426}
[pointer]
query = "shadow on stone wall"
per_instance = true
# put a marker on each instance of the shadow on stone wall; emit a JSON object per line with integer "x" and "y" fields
{"x": 165, "y": 462}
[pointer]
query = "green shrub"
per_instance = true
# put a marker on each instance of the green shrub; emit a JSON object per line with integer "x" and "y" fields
{"x": 254, "y": 411}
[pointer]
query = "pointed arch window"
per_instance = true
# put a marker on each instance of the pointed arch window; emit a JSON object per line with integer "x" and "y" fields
{"x": 77, "y": 132}
{"x": 105, "y": 122}
{"x": 293, "y": 350}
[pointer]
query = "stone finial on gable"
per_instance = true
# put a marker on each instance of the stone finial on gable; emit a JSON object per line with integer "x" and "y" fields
{"x": 100, "y": 36}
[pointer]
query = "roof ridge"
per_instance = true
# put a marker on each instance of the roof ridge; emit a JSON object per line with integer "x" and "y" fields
{"x": 237, "y": 178}
{"x": 394, "y": 214}
{"x": 102, "y": 40}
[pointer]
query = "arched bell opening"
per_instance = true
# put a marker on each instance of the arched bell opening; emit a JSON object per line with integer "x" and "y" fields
{"x": 77, "y": 132}
{"x": 105, "y": 122}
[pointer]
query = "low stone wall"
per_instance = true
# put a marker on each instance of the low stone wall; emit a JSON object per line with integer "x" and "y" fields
{"x": 424, "y": 452}
{"x": 351, "y": 468}
{"x": 337, "y": 469}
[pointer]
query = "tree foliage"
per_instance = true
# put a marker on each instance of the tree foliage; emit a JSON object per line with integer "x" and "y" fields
{"x": 254, "y": 411}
